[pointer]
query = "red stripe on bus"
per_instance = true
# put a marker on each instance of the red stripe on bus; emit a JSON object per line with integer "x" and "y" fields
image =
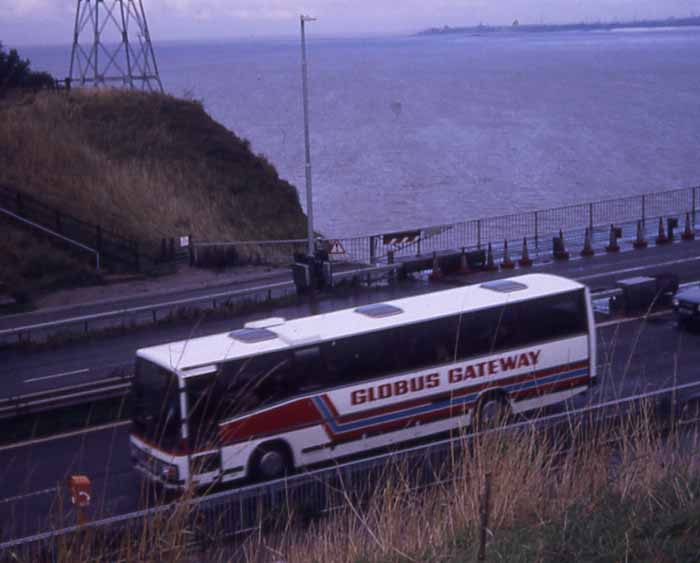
{"x": 529, "y": 376}
{"x": 297, "y": 414}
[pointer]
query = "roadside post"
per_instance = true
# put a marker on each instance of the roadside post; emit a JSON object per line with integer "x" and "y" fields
{"x": 79, "y": 487}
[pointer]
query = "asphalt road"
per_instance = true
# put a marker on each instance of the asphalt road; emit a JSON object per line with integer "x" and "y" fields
{"x": 636, "y": 355}
{"x": 24, "y": 371}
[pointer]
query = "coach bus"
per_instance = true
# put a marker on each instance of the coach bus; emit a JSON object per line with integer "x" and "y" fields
{"x": 264, "y": 400}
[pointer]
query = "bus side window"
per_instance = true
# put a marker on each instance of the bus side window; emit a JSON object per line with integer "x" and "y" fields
{"x": 308, "y": 373}
{"x": 477, "y": 333}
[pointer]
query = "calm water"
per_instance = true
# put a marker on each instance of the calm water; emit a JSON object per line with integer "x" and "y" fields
{"x": 418, "y": 131}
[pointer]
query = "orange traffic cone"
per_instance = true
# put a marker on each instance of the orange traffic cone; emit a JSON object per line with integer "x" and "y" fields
{"x": 640, "y": 242}
{"x": 662, "y": 238}
{"x": 490, "y": 264}
{"x": 437, "y": 273}
{"x": 507, "y": 263}
{"x": 688, "y": 232}
{"x": 559, "y": 247}
{"x": 587, "y": 244}
{"x": 613, "y": 246}
{"x": 525, "y": 258}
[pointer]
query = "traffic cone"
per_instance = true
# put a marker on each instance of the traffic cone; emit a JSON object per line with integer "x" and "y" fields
{"x": 559, "y": 250}
{"x": 587, "y": 245}
{"x": 662, "y": 238}
{"x": 688, "y": 232}
{"x": 464, "y": 263}
{"x": 525, "y": 258}
{"x": 613, "y": 246}
{"x": 507, "y": 263}
{"x": 640, "y": 242}
{"x": 437, "y": 273}
{"x": 490, "y": 264}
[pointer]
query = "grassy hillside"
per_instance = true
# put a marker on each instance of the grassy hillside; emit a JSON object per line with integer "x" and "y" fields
{"x": 145, "y": 166}
{"x": 31, "y": 264}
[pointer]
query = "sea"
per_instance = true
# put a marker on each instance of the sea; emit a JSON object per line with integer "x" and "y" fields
{"x": 414, "y": 131}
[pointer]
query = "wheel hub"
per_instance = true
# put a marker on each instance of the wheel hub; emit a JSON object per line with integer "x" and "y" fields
{"x": 272, "y": 464}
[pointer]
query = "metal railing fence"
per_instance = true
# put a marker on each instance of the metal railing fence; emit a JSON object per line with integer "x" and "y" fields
{"x": 538, "y": 227}
{"x": 116, "y": 251}
{"x": 215, "y": 517}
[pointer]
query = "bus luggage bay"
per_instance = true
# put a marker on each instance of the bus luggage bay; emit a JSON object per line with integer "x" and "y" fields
{"x": 278, "y": 395}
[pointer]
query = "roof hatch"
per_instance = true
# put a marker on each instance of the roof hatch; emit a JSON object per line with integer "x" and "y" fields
{"x": 379, "y": 310}
{"x": 252, "y": 335}
{"x": 504, "y": 286}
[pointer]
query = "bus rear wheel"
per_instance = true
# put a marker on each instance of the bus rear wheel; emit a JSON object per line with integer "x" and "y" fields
{"x": 271, "y": 461}
{"x": 492, "y": 411}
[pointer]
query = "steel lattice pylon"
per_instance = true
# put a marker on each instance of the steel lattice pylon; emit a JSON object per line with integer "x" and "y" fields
{"x": 112, "y": 55}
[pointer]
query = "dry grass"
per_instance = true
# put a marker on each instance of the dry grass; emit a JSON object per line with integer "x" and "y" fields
{"x": 637, "y": 500}
{"x": 31, "y": 264}
{"x": 145, "y": 166}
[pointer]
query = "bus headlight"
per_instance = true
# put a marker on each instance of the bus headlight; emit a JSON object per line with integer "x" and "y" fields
{"x": 169, "y": 472}
{"x": 675, "y": 303}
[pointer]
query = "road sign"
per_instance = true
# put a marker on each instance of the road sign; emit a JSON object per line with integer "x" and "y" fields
{"x": 336, "y": 247}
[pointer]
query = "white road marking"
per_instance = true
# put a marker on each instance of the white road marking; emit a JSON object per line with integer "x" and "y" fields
{"x": 66, "y": 435}
{"x": 638, "y": 268}
{"x": 28, "y": 495}
{"x": 57, "y": 375}
{"x": 632, "y": 319}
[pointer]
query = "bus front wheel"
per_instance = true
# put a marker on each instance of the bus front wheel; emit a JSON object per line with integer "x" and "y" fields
{"x": 271, "y": 461}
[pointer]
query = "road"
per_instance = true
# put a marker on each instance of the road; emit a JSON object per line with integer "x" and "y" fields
{"x": 636, "y": 355}
{"x": 25, "y": 371}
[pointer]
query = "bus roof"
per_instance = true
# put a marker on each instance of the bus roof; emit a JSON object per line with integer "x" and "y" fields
{"x": 208, "y": 351}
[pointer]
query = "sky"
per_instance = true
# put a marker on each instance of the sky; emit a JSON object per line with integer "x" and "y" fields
{"x": 46, "y": 22}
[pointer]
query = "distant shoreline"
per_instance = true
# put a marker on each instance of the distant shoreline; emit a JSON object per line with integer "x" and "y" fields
{"x": 516, "y": 27}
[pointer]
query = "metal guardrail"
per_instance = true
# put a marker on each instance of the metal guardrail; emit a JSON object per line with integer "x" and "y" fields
{"x": 537, "y": 226}
{"x": 52, "y": 399}
{"x": 229, "y": 513}
{"x": 151, "y": 312}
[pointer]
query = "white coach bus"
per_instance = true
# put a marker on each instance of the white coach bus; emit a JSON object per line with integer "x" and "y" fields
{"x": 264, "y": 400}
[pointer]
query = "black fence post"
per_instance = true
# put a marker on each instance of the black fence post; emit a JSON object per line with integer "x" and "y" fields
{"x": 163, "y": 250}
{"x": 171, "y": 250}
{"x": 20, "y": 204}
{"x": 191, "y": 249}
{"x": 98, "y": 239}
{"x": 58, "y": 221}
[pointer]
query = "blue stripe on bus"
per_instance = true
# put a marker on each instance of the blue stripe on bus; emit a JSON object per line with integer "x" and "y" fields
{"x": 471, "y": 397}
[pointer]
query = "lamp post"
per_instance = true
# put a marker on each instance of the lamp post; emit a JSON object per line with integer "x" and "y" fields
{"x": 309, "y": 201}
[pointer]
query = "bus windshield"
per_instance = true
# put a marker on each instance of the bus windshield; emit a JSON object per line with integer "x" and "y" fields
{"x": 156, "y": 403}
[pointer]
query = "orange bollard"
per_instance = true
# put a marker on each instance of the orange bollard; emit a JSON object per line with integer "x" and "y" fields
{"x": 662, "y": 238}
{"x": 640, "y": 241}
{"x": 613, "y": 246}
{"x": 688, "y": 232}
{"x": 79, "y": 487}
{"x": 525, "y": 260}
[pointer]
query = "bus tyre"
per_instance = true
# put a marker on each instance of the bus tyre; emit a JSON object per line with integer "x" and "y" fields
{"x": 492, "y": 411}
{"x": 271, "y": 461}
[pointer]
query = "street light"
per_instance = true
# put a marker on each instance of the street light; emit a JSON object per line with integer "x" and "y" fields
{"x": 309, "y": 202}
